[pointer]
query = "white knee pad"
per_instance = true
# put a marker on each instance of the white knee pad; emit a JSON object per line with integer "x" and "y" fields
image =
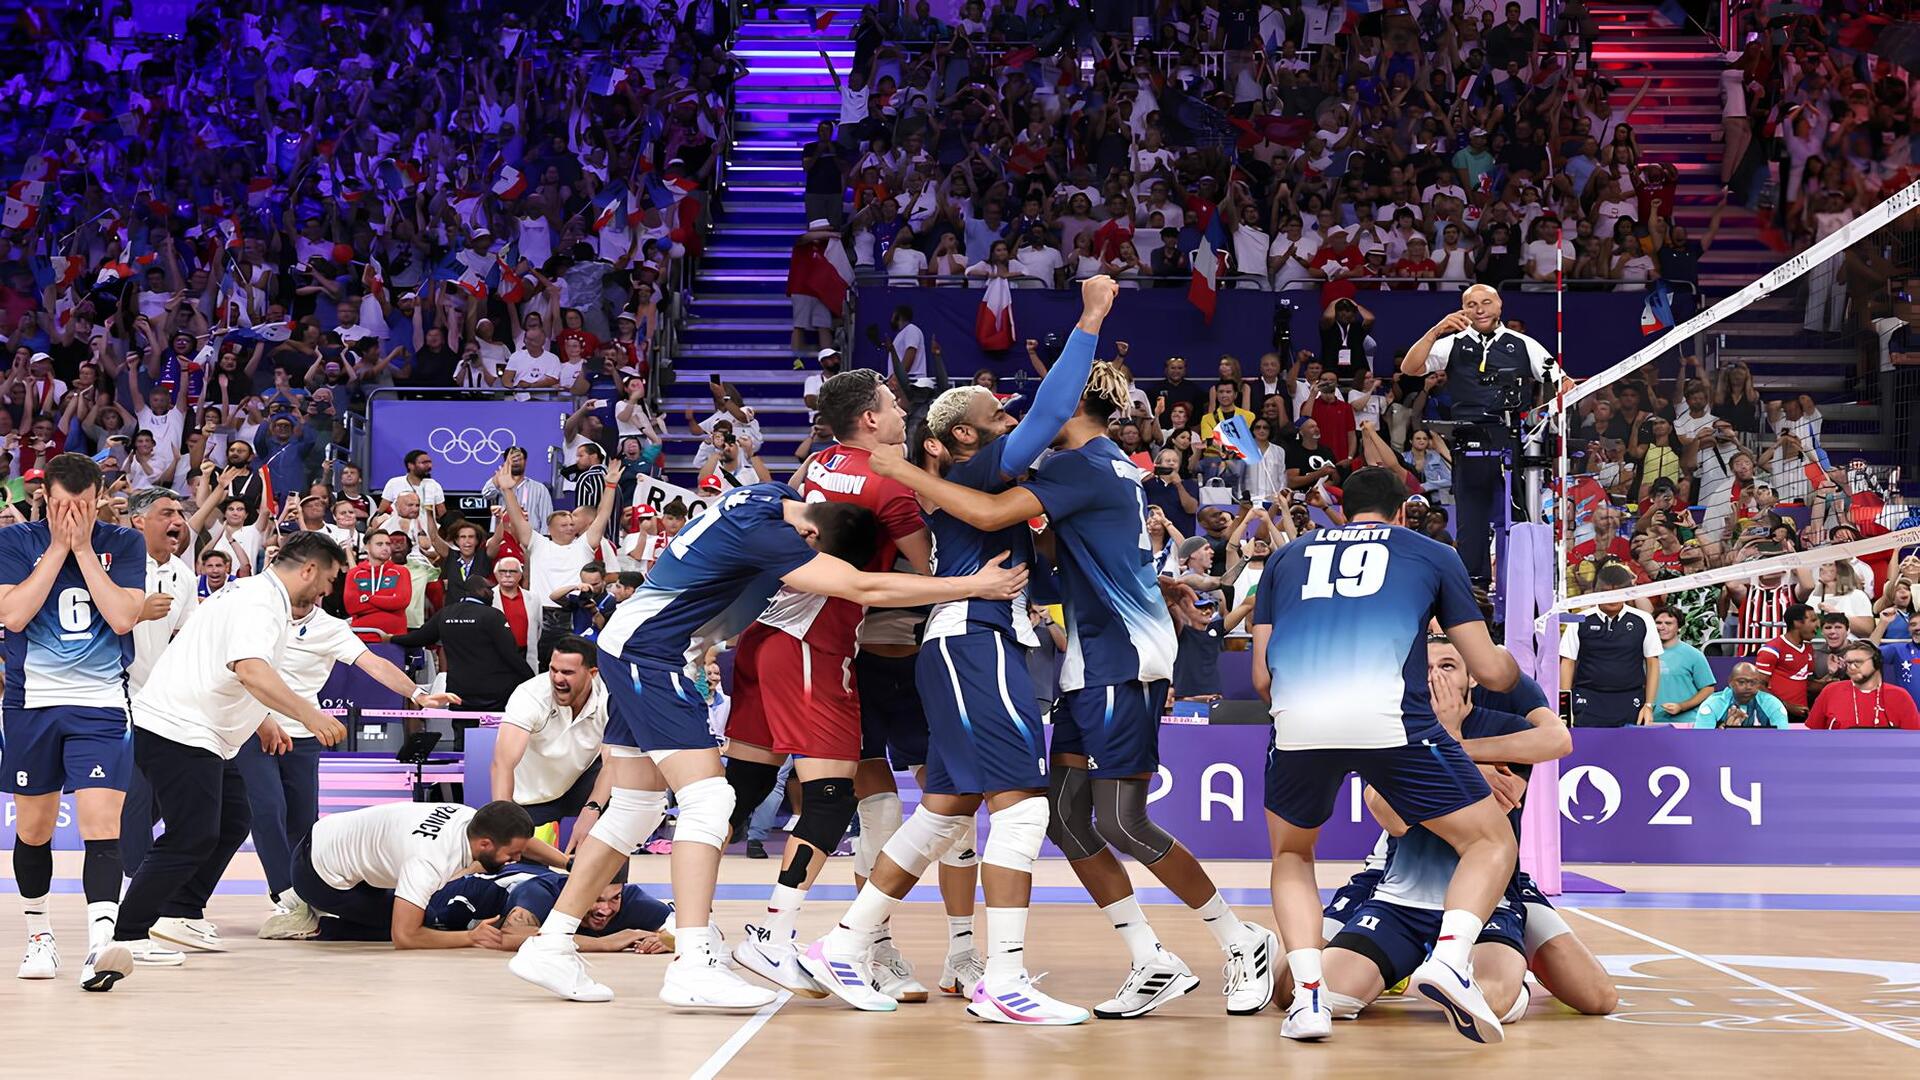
{"x": 1329, "y": 929}
{"x": 965, "y": 849}
{"x": 705, "y": 808}
{"x": 1017, "y": 832}
{"x": 1519, "y": 1005}
{"x": 1342, "y": 1006}
{"x": 921, "y": 839}
{"x": 1543, "y": 925}
{"x": 879, "y": 820}
{"x": 623, "y": 751}
{"x": 630, "y": 817}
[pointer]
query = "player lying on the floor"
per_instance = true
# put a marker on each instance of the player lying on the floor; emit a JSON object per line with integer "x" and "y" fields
{"x": 1392, "y": 914}
{"x": 623, "y": 918}
{"x": 376, "y": 869}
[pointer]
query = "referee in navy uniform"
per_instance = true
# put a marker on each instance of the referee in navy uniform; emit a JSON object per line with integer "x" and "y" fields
{"x": 1488, "y": 363}
{"x": 1610, "y": 660}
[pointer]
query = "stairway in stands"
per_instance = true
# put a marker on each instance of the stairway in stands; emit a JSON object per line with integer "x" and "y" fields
{"x": 738, "y": 318}
{"x": 1679, "y": 122}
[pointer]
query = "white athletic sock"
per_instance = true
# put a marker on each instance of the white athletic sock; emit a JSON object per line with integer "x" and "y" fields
{"x": 1226, "y": 927}
{"x": 1142, "y": 943}
{"x": 1006, "y": 943}
{"x": 101, "y": 915}
{"x": 560, "y": 924}
{"x": 1459, "y": 929}
{"x": 35, "y": 909}
{"x": 959, "y": 934}
{"x": 868, "y": 913}
{"x": 783, "y": 911}
{"x": 693, "y": 940}
{"x": 1304, "y": 965}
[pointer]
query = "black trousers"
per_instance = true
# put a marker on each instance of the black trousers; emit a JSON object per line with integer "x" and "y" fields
{"x": 554, "y": 622}
{"x": 367, "y": 907}
{"x": 284, "y": 792}
{"x": 1479, "y": 483}
{"x": 570, "y": 801}
{"x": 137, "y": 815}
{"x": 204, "y": 801}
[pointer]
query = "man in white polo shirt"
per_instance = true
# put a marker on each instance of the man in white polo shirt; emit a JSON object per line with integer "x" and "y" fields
{"x": 418, "y": 479}
{"x": 546, "y": 755}
{"x": 375, "y": 870}
{"x": 282, "y": 767}
{"x": 200, "y": 704}
{"x": 555, "y": 559}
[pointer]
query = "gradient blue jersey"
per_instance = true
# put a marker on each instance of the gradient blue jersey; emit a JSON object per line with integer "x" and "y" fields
{"x": 960, "y": 549}
{"x": 1118, "y": 629}
{"x": 68, "y": 655}
{"x": 714, "y": 578}
{"x": 1348, "y": 650}
{"x": 1420, "y": 865}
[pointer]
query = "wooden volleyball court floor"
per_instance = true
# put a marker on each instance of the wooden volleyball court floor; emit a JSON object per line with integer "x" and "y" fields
{"x": 1736, "y": 972}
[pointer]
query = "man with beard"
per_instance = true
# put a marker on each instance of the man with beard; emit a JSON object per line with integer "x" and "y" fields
{"x": 531, "y": 494}
{"x": 418, "y": 479}
{"x": 376, "y": 869}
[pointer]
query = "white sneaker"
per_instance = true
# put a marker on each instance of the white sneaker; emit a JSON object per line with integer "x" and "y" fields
{"x": 105, "y": 966}
{"x": 1148, "y": 987}
{"x": 700, "y": 980}
{"x": 552, "y": 962}
{"x": 1249, "y": 972}
{"x": 42, "y": 959}
{"x": 960, "y": 973}
{"x": 1445, "y": 986}
{"x": 1308, "y": 1017}
{"x": 297, "y": 923}
{"x": 778, "y": 962}
{"x": 196, "y": 934}
{"x": 847, "y": 976}
{"x": 1018, "y": 1001}
{"x": 150, "y": 953}
{"x": 892, "y": 975}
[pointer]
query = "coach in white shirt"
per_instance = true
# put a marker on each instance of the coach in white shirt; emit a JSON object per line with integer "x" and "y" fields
{"x": 555, "y": 560}
{"x": 172, "y": 593}
{"x": 546, "y": 755}
{"x": 201, "y": 702}
{"x": 282, "y": 767}
{"x": 375, "y": 869}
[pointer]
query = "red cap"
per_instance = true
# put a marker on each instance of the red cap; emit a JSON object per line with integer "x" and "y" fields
{"x": 34, "y": 474}
{"x": 711, "y": 483}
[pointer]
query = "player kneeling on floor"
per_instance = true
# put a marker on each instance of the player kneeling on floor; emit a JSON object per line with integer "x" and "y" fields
{"x": 623, "y": 918}
{"x": 377, "y": 869}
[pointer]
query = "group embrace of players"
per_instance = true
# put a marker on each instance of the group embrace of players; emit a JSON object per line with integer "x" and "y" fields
{"x": 1441, "y": 730}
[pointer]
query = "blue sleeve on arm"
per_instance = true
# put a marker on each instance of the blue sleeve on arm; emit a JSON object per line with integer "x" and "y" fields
{"x": 1053, "y": 404}
{"x": 1710, "y": 711}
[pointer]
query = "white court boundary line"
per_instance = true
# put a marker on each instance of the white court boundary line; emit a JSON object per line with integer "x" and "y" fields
{"x": 724, "y": 1056}
{"x": 1753, "y": 980}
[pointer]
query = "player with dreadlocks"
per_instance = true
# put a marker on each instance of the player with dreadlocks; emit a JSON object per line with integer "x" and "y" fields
{"x": 1119, "y": 659}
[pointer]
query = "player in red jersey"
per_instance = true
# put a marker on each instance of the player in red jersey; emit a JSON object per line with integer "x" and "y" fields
{"x": 795, "y": 690}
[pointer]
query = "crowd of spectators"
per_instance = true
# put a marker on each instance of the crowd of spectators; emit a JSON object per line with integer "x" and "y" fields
{"x": 1413, "y": 149}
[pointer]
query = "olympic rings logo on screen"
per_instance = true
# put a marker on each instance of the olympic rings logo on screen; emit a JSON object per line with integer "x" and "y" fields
{"x": 469, "y": 444}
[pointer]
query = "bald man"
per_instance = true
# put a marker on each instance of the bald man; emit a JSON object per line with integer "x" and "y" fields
{"x": 1495, "y": 373}
{"x": 1744, "y": 703}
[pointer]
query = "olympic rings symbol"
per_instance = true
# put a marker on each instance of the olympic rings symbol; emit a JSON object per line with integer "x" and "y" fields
{"x": 469, "y": 444}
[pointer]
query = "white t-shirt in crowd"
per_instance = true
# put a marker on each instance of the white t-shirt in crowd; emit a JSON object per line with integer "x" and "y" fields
{"x": 318, "y": 642}
{"x": 1038, "y": 262}
{"x": 150, "y": 638}
{"x": 525, "y": 367}
{"x": 910, "y": 337}
{"x": 411, "y": 848}
{"x": 192, "y": 695}
{"x": 553, "y": 565}
{"x": 168, "y": 429}
{"x": 561, "y": 743}
{"x": 429, "y": 490}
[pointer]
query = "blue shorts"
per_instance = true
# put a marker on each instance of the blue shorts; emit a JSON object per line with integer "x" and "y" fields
{"x": 66, "y": 748}
{"x": 653, "y": 708}
{"x": 1117, "y": 727}
{"x": 1398, "y": 939}
{"x": 1348, "y": 898}
{"x": 1421, "y": 781}
{"x": 983, "y": 722}
{"x": 1524, "y": 891}
{"x": 464, "y": 901}
{"x": 892, "y": 724}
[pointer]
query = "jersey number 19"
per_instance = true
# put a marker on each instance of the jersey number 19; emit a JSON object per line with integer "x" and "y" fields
{"x": 1353, "y": 570}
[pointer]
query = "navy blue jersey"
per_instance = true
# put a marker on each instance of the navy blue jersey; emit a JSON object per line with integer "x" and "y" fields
{"x": 1118, "y": 629}
{"x": 960, "y": 549}
{"x": 713, "y": 579}
{"x": 68, "y": 655}
{"x": 1525, "y": 697}
{"x": 1420, "y": 865}
{"x": 1348, "y": 650}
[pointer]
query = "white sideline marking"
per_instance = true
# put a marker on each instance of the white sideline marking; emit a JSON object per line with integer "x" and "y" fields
{"x": 723, "y": 1056}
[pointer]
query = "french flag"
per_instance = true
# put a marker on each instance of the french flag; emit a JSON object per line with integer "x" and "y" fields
{"x": 268, "y": 332}
{"x": 993, "y": 323}
{"x": 28, "y": 191}
{"x": 605, "y": 79}
{"x": 1657, "y": 313}
{"x": 512, "y": 183}
{"x": 259, "y": 192}
{"x": 19, "y": 215}
{"x": 609, "y": 205}
{"x": 1208, "y": 264}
